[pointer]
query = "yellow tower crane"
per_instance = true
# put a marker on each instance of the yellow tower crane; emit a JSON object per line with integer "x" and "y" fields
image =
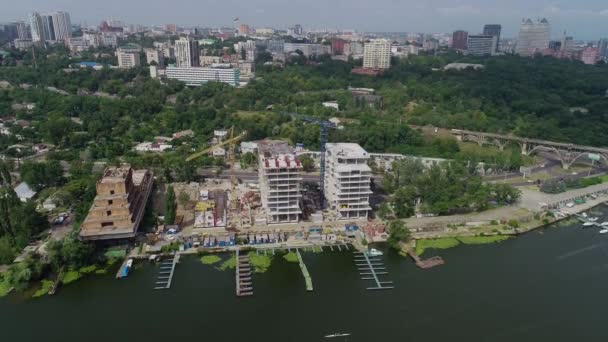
{"x": 232, "y": 160}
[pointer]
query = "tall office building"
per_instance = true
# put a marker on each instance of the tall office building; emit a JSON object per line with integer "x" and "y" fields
{"x": 459, "y": 40}
{"x": 493, "y": 30}
{"x": 567, "y": 44}
{"x": 36, "y": 27}
{"x": 48, "y": 27}
{"x": 377, "y": 54}
{"x": 187, "y": 53}
{"x": 481, "y": 45}
{"x": 533, "y": 37}
{"x": 62, "y": 26}
{"x": 23, "y": 32}
{"x": 602, "y": 46}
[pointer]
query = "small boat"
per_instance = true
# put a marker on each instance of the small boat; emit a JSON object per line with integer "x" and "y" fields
{"x": 604, "y": 224}
{"x": 592, "y": 219}
{"x": 374, "y": 252}
{"x": 584, "y": 215}
{"x": 588, "y": 224}
{"x": 337, "y": 335}
{"x": 603, "y": 231}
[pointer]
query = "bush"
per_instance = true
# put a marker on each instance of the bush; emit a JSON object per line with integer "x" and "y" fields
{"x": 513, "y": 223}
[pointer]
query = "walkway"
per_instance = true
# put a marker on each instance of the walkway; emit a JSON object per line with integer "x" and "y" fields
{"x": 369, "y": 266}
{"x": 165, "y": 276}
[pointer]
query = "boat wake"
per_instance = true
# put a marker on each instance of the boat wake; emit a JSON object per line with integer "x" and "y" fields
{"x": 578, "y": 251}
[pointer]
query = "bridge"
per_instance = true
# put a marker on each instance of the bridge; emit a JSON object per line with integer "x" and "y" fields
{"x": 568, "y": 154}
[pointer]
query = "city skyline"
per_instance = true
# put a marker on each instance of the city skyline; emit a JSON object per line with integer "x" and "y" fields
{"x": 584, "y": 20}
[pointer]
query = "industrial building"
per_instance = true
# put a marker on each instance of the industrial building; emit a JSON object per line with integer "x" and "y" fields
{"x": 119, "y": 206}
{"x": 347, "y": 180}
{"x": 280, "y": 181}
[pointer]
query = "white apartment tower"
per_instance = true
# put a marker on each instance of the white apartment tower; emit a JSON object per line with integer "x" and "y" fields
{"x": 377, "y": 54}
{"x": 533, "y": 37}
{"x": 280, "y": 179}
{"x": 187, "y": 53}
{"x": 347, "y": 180}
{"x": 36, "y": 27}
{"x": 62, "y": 25}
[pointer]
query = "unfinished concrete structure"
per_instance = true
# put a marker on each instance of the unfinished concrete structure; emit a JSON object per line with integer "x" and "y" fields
{"x": 347, "y": 180}
{"x": 280, "y": 180}
{"x": 119, "y": 206}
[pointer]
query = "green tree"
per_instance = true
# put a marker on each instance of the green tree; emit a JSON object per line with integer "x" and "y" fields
{"x": 398, "y": 233}
{"x": 308, "y": 164}
{"x": 170, "y": 206}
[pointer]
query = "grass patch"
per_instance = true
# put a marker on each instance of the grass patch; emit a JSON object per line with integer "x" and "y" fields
{"x": 5, "y": 288}
{"x": 291, "y": 257}
{"x": 44, "y": 289}
{"x": 442, "y": 243}
{"x": 101, "y": 271}
{"x": 70, "y": 277}
{"x": 228, "y": 264}
{"x": 480, "y": 240}
{"x": 88, "y": 269}
{"x": 210, "y": 259}
{"x": 260, "y": 263}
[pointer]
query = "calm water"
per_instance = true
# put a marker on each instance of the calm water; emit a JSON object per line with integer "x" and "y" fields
{"x": 544, "y": 286}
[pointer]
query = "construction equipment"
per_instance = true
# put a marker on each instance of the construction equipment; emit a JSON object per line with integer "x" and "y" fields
{"x": 324, "y": 125}
{"x": 232, "y": 160}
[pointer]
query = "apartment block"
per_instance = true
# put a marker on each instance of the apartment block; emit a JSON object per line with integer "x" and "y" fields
{"x": 347, "y": 180}
{"x": 377, "y": 54}
{"x": 280, "y": 181}
{"x": 119, "y": 205}
{"x": 199, "y": 75}
{"x": 127, "y": 59}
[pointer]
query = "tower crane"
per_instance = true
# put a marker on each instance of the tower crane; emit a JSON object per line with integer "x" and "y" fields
{"x": 232, "y": 159}
{"x": 324, "y": 126}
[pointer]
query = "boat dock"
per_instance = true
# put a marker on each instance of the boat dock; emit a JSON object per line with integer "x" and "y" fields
{"x": 244, "y": 285}
{"x": 427, "y": 263}
{"x": 165, "y": 276}
{"x": 305, "y": 247}
{"x": 307, "y": 277}
{"x": 370, "y": 268}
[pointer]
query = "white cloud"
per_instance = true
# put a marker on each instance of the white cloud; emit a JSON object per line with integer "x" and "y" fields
{"x": 459, "y": 10}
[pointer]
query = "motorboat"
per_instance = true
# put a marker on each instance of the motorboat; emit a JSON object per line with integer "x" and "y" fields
{"x": 588, "y": 224}
{"x": 374, "y": 252}
{"x": 592, "y": 219}
{"x": 603, "y": 231}
{"x": 337, "y": 335}
{"x": 604, "y": 224}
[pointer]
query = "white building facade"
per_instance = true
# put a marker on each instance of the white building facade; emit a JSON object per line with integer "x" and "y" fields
{"x": 196, "y": 76}
{"x": 377, "y": 54}
{"x": 347, "y": 180}
{"x": 533, "y": 37}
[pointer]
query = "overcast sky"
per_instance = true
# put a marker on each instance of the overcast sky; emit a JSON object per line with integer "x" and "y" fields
{"x": 585, "y": 19}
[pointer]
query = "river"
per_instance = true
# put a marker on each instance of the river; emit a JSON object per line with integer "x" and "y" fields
{"x": 548, "y": 285}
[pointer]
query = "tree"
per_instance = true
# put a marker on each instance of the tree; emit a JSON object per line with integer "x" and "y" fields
{"x": 170, "y": 206}
{"x": 308, "y": 164}
{"x": 247, "y": 159}
{"x": 398, "y": 233}
{"x": 184, "y": 198}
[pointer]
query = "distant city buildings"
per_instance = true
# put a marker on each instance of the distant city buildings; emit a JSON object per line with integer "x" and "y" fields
{"x": 377, "y": 54}
{"x": 493, "y": 30}
{"x": 128, "y": 57}
{"x": 534, "y": 37}
{"x": 306, "y": 49}
{"x": 602, "y": 46}
{"x": 590, "y": 55}
{"x": 187, "y": 53}
{"x": 481, "y": 45}
{"x": 459, "y": 40}
{"x": 155, "y": 56}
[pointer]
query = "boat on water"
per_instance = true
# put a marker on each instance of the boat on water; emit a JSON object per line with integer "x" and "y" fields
{"x": 604, "y": 224}
{"x": 374, "y": 252}
{"x": 604, "y": 231}
{"x": 588, "y": 224}
{"x": 337, "y": 335}
{"x": 124, "y": 269}
{"x": 592, "y": 219}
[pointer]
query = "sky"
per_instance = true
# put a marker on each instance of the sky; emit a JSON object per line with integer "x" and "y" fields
{"x": 584, "y": 19}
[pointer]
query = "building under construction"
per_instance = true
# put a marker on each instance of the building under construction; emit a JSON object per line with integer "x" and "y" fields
{"x": 210, "y": 210}
{"x": 347, "y": 180}
{"x": 280, "y": 181}
{"x": 119, "y": 206}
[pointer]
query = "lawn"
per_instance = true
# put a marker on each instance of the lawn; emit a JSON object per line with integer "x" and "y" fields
{"x": 445, "y": 243}
{"x": 480, "y": 240}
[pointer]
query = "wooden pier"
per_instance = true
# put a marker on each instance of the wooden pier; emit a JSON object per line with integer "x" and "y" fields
{"x": 244, "y": 285}
{"x": 427, "y": 263}
{"x": 307, "y": 277}
{"x": 165, "y": 276}
{"x": 370, "y": 268}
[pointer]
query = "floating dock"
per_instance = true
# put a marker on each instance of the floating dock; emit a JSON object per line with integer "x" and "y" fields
{"x": 165, "y": 276}
{"x": 305, "y": 273}
{"x": 427, "y": 263}
{"x": 370, "y": 268}
{"x": 244, "y": 285}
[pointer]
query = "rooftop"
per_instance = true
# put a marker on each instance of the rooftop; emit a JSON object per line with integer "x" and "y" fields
{"x": 274, "y": 148}
{"x": 114, "y": 174}
{"x": 349, "y": 150}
